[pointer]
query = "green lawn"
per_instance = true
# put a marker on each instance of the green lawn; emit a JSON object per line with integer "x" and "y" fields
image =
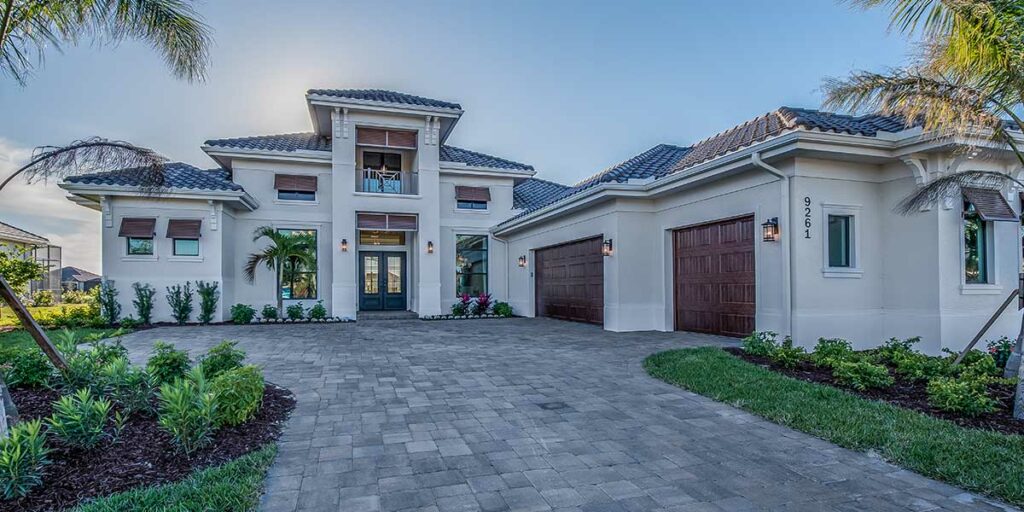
{"x": 976, "y": 460}
{"x": 21, "y": 338}
{"x": 232, "y": 487}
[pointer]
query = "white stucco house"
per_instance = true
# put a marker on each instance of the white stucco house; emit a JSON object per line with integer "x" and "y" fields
{"x": 785, "y": 223}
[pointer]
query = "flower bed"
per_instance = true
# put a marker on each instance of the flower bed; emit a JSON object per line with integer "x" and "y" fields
{"x": 462, "y": 317}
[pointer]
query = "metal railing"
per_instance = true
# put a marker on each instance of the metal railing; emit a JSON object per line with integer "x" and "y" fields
{"x": 382, "y": 181}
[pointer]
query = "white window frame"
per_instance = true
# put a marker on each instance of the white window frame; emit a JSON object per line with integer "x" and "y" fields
{"x": 178, "y": 257}
{"x": 126, "y": 256}
{"x": 854, "y": 271}
{"x": 296, "y": 202}
{"x": 992, "y": 287}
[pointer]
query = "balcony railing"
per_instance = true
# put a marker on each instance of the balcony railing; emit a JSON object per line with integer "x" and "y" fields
{"x": 382, "y": 181}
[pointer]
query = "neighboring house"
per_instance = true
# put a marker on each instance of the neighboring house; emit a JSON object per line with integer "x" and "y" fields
{"x": 74, "y": 278}
{"x": 783, "y": 223}
{"x": 13, "y": 239}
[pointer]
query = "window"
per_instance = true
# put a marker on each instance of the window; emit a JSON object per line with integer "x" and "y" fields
{"x": 296, "y": 195}
{"x": 472, "y": 205}
{"x": 378, "y": 160}
{"x": 470, "y": 264}
{"x": 381, "y": 237}
{"x": 186, "y": 247}
{"x": 839, "y": 241}
{"x": 298, "y": 281}
{"x": 295, "y": 187}
{"x": 976, "y": 259}
{"x": 140, "y": 246}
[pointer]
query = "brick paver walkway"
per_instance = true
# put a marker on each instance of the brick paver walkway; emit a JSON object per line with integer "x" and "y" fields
{"x": 532, "y": 415}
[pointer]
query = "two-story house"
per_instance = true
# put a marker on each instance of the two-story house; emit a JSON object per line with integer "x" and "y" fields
{"x": 785, "y": 222}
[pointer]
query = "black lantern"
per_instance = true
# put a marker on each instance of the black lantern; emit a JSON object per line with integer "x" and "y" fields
{"x": 430, "y": 247}
{"x": 343, "y": 245}
{"x": 522, "y": 261}
{"x": 770, "y": 230}
{"x": 606, "y": 247}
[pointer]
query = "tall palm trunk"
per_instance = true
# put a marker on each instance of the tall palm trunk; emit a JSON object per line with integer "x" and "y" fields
{"x": 277, "y": 290}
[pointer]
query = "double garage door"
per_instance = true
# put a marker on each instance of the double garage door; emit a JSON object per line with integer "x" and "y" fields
{"x": 570, "y": 281}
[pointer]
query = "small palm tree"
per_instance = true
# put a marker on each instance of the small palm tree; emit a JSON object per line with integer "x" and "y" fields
{"x": 29, "y": 27}
{"x": 285, "y": 251}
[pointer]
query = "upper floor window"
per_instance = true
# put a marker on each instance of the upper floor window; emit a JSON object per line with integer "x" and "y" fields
{"x": 295, "y": 187}
{"x": 472, "y": 198}
{"x": 138, "y": 234}
{"x": 471, "y": 205}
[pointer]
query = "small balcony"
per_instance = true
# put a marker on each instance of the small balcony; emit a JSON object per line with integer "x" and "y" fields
{"x": 383, "y": 181}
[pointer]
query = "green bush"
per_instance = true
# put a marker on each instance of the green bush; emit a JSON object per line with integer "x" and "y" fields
{"x": 239, "y": 394}
{"x": 75, "y": 297}
{"x": 295, "y": 311}
{"x": 128, "y": 386}
{"x": 23, "y": 455}
{"x": 143, "y": 302}
{"x": 831, "y": 351}
{"x": 82, "y": 372}
{"x": 188, "y": 411}
{"x": 982, "y": 366}
{"x": 105, "y": 350}
{"x": 42, "y": 298}
{"x": 318, "y": 311}
{"x": 221, "y": 358}
{"x": 967, "y": 396}
{"x": 208, "y": 297}
{"x": 72, "y": 318}
{"x": 242, "y": 313}
{"x": 180, "y": 299}
{"x": 167, "y": 363}
{"x": 25, "y": 367}
{"x": 862, "y": 375}
{"x": 502, "y": 309}
{"x": 78, "y": 419}
{"x": 895, "y": 346}
{"x": 917, "y": 367}
{"x": 760, "y": 343}
{"x": 110, "y": 308}
{"x": 1000, "y": 350}
{"x": 269, "y": 312}
{"x": 786, "y": 355}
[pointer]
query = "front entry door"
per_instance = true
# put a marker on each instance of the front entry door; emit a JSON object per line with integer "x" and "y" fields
{"x": 382, "y": 284}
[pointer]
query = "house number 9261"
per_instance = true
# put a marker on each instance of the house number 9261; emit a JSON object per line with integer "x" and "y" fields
{"x": 807, "y": 217}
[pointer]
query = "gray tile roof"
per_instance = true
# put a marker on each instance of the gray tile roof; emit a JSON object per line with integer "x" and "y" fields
{"x": 13, "y": 234}
{"x": 287, "y": 142}
{"x": 77, "y": 274}
{"x": 383, "y": 96}
{"x": 176, "y": 175}
{"x": 533, "y": 193}
{"x": 650, "y": 163}
{"x": 472, "y": 158}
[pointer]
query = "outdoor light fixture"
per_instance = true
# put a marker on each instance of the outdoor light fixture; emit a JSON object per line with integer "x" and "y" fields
{"x": 606, "y": 247}
{"x": 430, "y": 247}
{"x": 343, "y": 245}
{"x": 522, "y": 261}
{"x": 770, "y": 230}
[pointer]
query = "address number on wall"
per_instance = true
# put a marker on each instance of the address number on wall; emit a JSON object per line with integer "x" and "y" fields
{"x": 807, "y": 217}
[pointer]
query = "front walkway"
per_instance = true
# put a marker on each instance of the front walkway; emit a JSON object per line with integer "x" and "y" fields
{"x": 532, "y": 414}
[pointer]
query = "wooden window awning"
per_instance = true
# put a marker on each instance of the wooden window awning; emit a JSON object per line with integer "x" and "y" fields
{"x": 472, "y": 194}
{"x": 137, "y": 228}
{"x": 386, "y": 222}
{"x": 387, "y": 138}
{"x": 295, "y": 182}
{"x": 184, "y": 228}
{"x": 990, "y": 204}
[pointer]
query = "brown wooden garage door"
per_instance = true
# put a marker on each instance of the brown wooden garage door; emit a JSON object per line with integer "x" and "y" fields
{"x": 570, "y": 281}
{"x": 714, "y": 277}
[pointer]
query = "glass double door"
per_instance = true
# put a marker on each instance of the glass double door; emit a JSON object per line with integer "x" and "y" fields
{"x": 383, "y": 281}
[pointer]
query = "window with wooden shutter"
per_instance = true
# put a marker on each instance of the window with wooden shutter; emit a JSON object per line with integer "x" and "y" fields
{"x": 295, "y": 187}
{"x": 137, "y": 228}
{"x": 386, "y": 222}
{"x": 184, "y": 228}
{"x": 387, "y": 138}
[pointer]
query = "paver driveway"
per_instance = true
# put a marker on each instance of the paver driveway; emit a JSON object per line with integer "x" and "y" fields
{"x": 532, "y": 414}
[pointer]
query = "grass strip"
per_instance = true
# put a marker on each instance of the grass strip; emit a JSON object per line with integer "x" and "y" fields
{"x": 232, "y": 487}
{"x": 985, "y": 462}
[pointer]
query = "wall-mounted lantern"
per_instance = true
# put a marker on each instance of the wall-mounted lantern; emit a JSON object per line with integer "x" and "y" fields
{"x": 606, "y": 247}
{"x": 430, "y": 247}
{"x": 522, "y": 261}
{"x": 343, "y": 245}
{"x": 770, "y": 230}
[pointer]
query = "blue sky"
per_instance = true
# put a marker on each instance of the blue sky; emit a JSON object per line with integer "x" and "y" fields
{"x": 567, "y": 86}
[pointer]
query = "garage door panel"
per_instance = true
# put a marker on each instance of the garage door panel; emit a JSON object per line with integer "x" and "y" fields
{"x": 714, "y": 277}
{"x": 570, "y": 281}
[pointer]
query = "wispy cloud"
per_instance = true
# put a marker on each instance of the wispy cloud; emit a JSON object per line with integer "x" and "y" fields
{"x": 43, "y": 209}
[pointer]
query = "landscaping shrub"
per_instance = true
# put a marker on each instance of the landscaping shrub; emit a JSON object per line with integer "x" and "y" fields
{"x": 76, "y": 317}
{"x": 831, "y": 351}
{"x": 66, "y": 341}
{"x": 78, "y": 419}
{"x": 295, "y": 311}
{"x": 502, "y": 309}
{"x": 107, "y": 350}
{"x": 269, "y": 312}
{"x": 1000, "y": 350}
{"x": 42, "y": 298}
{"x": 23, "y": 456}
{"x": 167, "y": 363}
{"x": 75, "y": 297}
{"x": 786, "y": 355}
{"x": 110, "y": 308}
{"x": 978, "y": 364}
{"x": 82, "y": 372}
{"x": 143, "y": 302}
{"x": 239, "y": 394}
{"x": 180, "y": 299}
{"x": 208, "y": 297}
{"x": 318, "y": 311}
{"x": 760, "y": 343}
{"x": 221, "y": 358}
{"x": 242, "y": 313}
{"x": 128, "y": 386}
{"x": 482, "y": 304}
{"x": 461, "y": 308}
{"x": 967, "y": 396}
{"x": 895, "y": 346}
{"x": 188, "y": 411}
{"x": 917, "y": 367}
{"x": 28, "y": 368}
{"x": 862, "y": 375}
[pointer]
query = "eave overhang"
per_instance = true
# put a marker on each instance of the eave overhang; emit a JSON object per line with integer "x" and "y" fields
{"x": 86, "y": 195}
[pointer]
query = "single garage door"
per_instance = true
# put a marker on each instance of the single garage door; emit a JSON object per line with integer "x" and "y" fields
{"x": 714, "y": 277}
{"x": 570, "y": 281}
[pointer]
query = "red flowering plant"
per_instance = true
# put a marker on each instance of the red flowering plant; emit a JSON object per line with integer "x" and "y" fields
{"x": 482, "y": 304}
{"x": 461, "y": 308}
{"x": 1000, "y": 350}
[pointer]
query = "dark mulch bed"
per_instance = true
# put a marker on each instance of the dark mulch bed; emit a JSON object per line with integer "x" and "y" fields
{"x": 143, "y": 456}
{"x": 906, "y": 394}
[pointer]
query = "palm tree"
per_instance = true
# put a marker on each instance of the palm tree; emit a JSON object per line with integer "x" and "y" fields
{"x": 967, "y": 83}
{"x": 172, "y": 27}
{"x": 285, "y": 251}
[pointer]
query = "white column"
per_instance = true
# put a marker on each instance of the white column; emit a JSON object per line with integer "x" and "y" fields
{"x": 428, "y": 275}
{"x": 344, "y": 294}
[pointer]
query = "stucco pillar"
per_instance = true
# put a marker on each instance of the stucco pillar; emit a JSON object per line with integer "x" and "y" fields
{"x": 428, "y": 278}
{"x": 344, "y": 294}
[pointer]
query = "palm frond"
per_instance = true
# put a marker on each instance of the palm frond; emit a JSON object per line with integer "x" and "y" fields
{"x": 144, "y": 165}
{"x": 172, "y": 27}
{"x": 251, "y": 263}
{"x": 950, "y": 187}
